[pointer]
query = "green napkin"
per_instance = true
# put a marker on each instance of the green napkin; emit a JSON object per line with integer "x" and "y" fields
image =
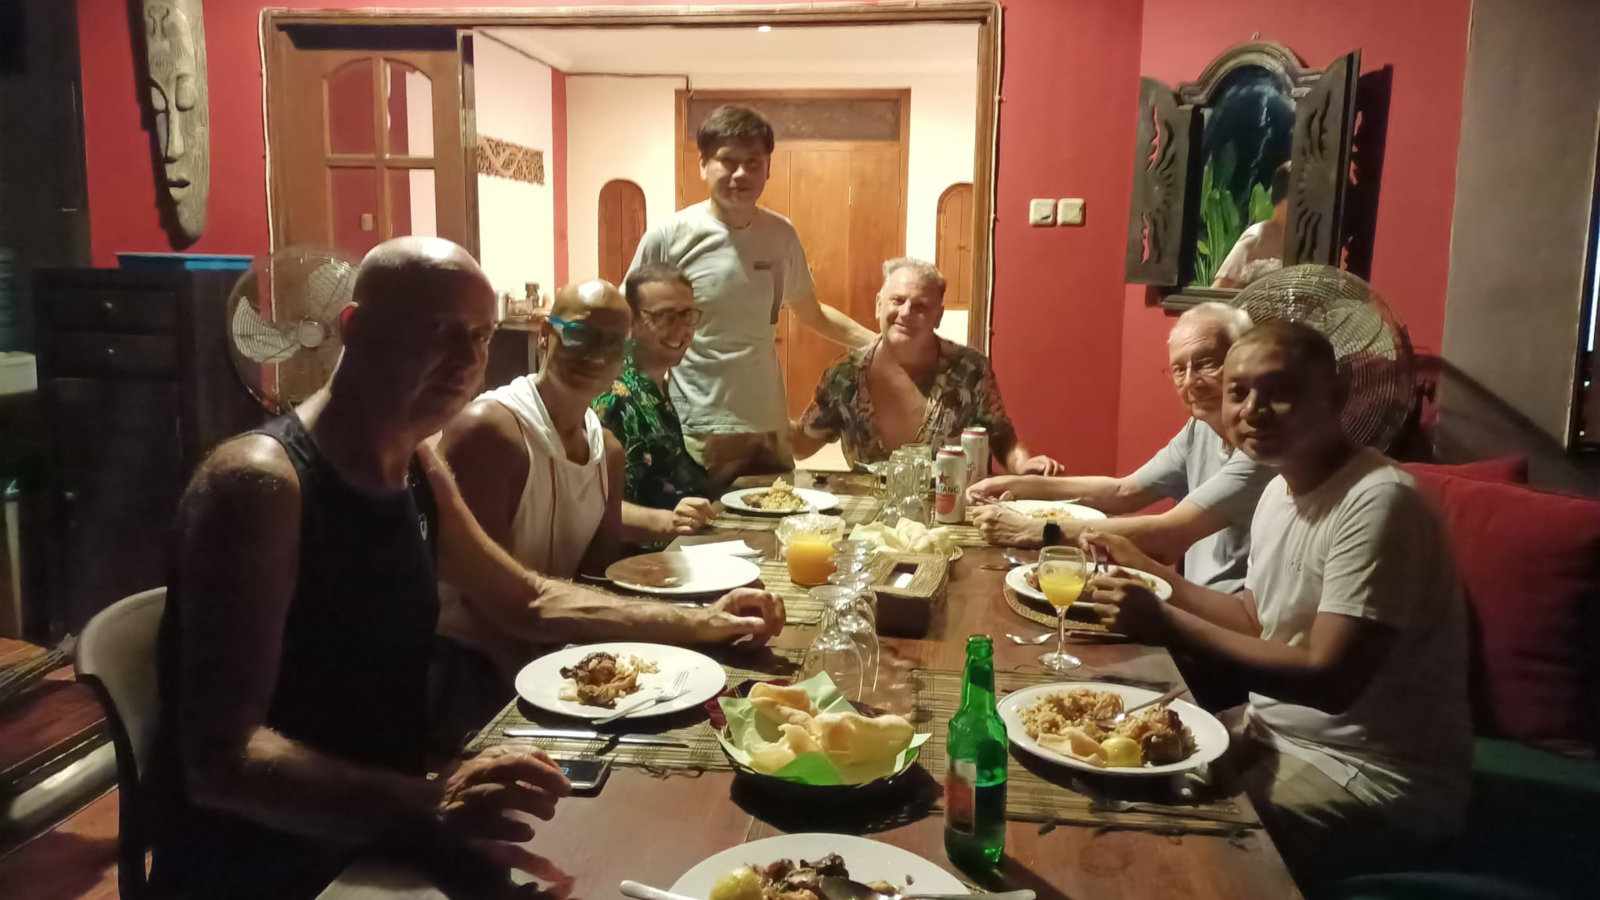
{"x": 747, "y": 729}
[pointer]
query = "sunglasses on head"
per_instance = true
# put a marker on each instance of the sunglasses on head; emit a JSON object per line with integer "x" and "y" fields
{"x": 585, "y": 338}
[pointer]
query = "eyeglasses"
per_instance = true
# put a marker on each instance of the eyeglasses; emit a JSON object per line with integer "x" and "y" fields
{"x": 1205, "y": 367}
{"x": 665, "y": 319}
{"x": 585, "y": 338}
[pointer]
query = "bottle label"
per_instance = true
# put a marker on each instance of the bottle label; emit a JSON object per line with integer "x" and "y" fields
{"x": 960, "y": 796}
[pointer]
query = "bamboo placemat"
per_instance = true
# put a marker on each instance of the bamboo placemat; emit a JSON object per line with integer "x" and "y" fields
{"x": 700, "y": 753}
{"x": 798, "y": 606}
{"x": 1039, "y": 792}
{"x": 1078, "y": 617}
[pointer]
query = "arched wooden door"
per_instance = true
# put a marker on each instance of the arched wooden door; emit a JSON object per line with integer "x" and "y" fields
{"x": 621, "y": 227}
{"x": 953, "y": 249}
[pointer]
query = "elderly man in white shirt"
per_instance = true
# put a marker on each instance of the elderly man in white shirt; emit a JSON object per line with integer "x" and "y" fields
{"x": 1215, "y": 485}
{"x": 1356, "y": 741}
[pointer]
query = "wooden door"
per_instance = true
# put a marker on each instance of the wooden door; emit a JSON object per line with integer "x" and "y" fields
{"x": 953, "y": 241}
{"x": 621, "y": 227}
{"x": 845, "y": 196}
{"x": 819, "y": 190}
{"x": 364, "y": 127}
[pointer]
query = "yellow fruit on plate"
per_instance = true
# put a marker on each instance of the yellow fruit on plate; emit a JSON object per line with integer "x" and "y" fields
{"x": 1121, "y": 751}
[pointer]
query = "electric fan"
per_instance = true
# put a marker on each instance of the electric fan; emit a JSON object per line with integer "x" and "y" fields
{"x": 283, "y": 323}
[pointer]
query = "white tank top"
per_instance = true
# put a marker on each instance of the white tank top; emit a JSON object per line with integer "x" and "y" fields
{"x": 562, "y": 505}
{"x": 563, "y": 502}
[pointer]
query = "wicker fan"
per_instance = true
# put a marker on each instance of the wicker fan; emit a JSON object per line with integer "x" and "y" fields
{"x": 1372, "y": 347}
{"x": 283, "y": 323}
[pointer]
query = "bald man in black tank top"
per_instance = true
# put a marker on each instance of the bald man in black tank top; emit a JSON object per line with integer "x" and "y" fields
{"x": 294, "y": 648}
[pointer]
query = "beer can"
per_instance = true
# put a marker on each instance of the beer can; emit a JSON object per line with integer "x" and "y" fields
{"x": 975, "y": 443}
{"x": 950, "y": 486}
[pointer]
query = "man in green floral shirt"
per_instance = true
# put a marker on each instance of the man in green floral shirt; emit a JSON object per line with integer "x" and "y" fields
{"x": 911, "y": 386}
{"x": 664, "y": 487}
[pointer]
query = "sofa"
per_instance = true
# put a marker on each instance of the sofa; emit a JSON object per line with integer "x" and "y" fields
{"x": 1530, "y": 566}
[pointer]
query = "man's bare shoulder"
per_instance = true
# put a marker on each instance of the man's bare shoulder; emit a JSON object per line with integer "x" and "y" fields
{"x": 248, "y": 475}
{"x": 251, "y": 460}
{"x": 485, "y": 433}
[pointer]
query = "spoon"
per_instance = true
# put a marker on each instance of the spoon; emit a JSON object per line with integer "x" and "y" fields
{"x": 1019, "y": 639}
{"x": 835, "y": 888}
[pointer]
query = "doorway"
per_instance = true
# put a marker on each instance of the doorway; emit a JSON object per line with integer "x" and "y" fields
{"x": 621, "y": 225}
{"x": 954, "y": 243}
{"x": 856, "y": 35}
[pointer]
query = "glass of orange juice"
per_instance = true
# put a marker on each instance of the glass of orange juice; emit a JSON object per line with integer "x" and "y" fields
{"x": 807, "y": 543}
{"x": 1062, "y": 574}
{"x": 810, "y": 558}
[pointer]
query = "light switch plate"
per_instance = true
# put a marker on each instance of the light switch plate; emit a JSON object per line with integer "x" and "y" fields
{"x": 1069, "y": 211}
{"x": 1041, "y": 212}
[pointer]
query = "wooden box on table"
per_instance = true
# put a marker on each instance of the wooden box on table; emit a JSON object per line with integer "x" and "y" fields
{"x": 908, "y": 587}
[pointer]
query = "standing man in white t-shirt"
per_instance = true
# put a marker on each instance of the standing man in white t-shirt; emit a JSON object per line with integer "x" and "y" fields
{"x": 745, "y": 263}
{"x": 1356, "y": 742}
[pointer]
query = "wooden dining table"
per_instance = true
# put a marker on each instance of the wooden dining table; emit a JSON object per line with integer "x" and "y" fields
{"x": 652, "y": 826}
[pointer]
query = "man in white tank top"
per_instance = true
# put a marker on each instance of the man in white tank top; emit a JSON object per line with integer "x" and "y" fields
{"x": 539, "y": 473}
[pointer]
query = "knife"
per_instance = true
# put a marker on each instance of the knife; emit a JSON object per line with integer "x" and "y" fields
{"x": 584, "y": 734}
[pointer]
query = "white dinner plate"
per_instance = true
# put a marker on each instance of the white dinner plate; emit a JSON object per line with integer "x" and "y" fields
{"x": 540, "y": 681}
{"x": 1058, "y": 509}
{"x": 816, "y": 501}
{"x": 1017, "y": 580}
{"x": 672, "y": 573}
{"x": 867, "y": 860}
{"x": 1210, "y": 737}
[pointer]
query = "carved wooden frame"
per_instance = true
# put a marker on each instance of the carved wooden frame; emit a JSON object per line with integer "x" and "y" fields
{"x": 1167, "y": 162}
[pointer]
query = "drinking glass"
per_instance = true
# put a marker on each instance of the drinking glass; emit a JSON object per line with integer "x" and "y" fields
{"x": 1062, "y": 573}
{"x": 837, "y": 653}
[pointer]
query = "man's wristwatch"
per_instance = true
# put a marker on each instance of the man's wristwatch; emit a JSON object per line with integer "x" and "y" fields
{"x": 1052, "y": 534}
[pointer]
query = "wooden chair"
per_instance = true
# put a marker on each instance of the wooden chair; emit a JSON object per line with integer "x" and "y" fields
{"x": 117, "y": 659}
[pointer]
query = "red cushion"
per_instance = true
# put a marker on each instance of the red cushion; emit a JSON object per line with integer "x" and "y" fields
{"x": 1505, "y": 469}
{"x": 1530, "y": 564}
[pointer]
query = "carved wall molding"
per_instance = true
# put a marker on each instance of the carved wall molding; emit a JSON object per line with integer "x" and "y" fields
{"x": 505, "y": 159}
{"x": 1296, "y": 79}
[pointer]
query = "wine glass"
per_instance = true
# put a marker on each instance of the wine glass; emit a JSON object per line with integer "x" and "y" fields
{"x": 836, "y": 652}
{"x": 1062, "y": 573}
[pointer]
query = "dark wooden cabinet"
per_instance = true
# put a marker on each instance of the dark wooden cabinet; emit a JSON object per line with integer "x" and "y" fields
{"x": 137, "y": 386}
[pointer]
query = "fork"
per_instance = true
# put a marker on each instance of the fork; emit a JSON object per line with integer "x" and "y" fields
{"x": 680, "y": 685}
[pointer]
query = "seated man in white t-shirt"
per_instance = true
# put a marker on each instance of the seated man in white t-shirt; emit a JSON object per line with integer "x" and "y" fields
{"x": 1351, "y": 631}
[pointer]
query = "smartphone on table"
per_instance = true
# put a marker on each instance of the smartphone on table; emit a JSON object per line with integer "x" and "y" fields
{"x": 586, "y": 775}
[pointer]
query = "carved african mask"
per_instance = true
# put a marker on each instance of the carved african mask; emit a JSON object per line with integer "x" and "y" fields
{"x": 176, "y": 52}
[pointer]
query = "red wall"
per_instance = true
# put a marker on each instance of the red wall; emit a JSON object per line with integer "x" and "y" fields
{"x": 1426, "y": 43}
{"x": 1065, "y": 130}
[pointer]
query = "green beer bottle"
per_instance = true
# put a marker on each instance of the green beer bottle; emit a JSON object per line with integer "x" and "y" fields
{"x": 975, "y": 779}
